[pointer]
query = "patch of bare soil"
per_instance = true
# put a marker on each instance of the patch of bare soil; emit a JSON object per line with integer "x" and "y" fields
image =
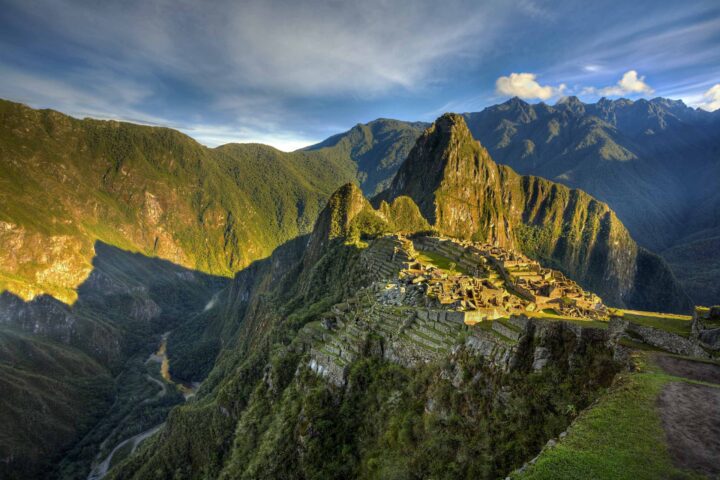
{"x": 699, "y": 371}
{"x": 690, "y": 415}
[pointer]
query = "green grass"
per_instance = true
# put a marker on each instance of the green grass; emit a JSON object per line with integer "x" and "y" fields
{"x": 679, "y": 324}
{"x": 440, "y": 261}
{"x": 583, "y": 322}
{"x": 621, "y": 437}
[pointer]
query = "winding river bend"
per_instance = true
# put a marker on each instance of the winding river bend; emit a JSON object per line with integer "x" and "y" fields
{"x": 188, "y": 390}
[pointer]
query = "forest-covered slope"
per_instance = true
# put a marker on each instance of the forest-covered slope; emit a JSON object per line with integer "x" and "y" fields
{"x": 65, "y": 183}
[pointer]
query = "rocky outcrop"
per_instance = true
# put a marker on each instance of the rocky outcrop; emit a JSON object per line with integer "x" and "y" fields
{"x": 706, "y": 326}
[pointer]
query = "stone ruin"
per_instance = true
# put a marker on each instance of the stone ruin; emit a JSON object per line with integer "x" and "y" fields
{"x": 412, "y": 313}
{"x": 498, "y": 283}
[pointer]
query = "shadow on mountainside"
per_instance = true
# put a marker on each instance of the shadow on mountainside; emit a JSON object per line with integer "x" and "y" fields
{"x": 58, "y": 362}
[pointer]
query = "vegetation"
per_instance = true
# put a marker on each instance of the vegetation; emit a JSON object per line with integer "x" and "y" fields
{"x": 51, "y": 393}
{"x": 620, "y": 437}
{"x": 647, "y": 159}
{"x": 679, "y": 324}
{"x": 65, "y": 183}
{"x": 378, "y": 148}
{"x": 261, "y": 412}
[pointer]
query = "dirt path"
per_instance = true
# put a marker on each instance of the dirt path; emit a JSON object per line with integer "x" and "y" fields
{"x": 700, "y": 371}
{"x": 690, "y": 415}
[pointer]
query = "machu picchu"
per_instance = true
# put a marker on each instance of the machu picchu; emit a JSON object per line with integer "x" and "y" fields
{"x": 194, "y": 285}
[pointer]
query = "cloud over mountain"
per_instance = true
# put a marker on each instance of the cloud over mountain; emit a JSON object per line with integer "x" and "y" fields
{"x": 711, "y": 98}
{"x": 525, "y": 85}
{"x": 630, "y": 84}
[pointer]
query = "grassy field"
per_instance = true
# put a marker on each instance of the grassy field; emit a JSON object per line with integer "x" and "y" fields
{"x": 440, "y": 261}
{"x": 621, "y": 437}
{"x": 583, "y": 322}
{"x": 669, "y": 322}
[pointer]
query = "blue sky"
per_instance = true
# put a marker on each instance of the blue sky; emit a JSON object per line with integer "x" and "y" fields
{"x": 291, "y": 73}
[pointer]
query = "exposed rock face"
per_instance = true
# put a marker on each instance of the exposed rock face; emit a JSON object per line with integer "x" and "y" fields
{"x": 706, "y": 326}
{"x": 464, "y": 194}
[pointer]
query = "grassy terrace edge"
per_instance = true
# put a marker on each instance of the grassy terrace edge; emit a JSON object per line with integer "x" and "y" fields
{"x": 619, "y": 437}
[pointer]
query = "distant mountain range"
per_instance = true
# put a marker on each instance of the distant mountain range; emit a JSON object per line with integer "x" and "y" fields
{"x": 655, "y": 162}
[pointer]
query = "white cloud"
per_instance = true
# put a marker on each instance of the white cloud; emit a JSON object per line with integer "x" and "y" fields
{"x": 630, "y": 83}
{"x": 711, "y": 99}
{"x": 215, "y": 135}
{"x": 524, "y": 85}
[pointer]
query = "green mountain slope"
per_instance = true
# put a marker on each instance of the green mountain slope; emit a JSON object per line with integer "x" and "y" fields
{"x": 80, "y": 372}
{"x": 465, "y": 194}
{"x": 65, "y": 183}
{"x": 378, "y": 148}
{"x": 51, "y": 393}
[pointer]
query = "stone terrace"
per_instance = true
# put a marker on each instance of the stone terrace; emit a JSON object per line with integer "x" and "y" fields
{"x": 413, "y": 312}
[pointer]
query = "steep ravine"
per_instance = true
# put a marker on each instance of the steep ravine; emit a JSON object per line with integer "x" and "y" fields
{"x": 128, "y": 446}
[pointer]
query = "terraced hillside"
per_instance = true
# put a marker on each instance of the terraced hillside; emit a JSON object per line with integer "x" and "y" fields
{"x": 332, "y": 361}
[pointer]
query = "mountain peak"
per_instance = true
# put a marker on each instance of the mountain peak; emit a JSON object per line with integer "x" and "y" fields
{"x": 446, "y": 165}
{"x": 449, "y": 124}
{"x": 516, "y": 101}
{"x": 571, "y": 103}
{"x": 336, "y": 219}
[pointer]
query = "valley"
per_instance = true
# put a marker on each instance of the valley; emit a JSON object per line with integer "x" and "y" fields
{"x": 157, "y": 366}
{"x": 464, "y": 321}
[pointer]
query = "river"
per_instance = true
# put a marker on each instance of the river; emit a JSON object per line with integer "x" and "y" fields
{"x": 188, "y": 390}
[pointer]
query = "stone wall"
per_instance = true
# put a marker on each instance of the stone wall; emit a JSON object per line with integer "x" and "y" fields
{"x": 655, "y": 337}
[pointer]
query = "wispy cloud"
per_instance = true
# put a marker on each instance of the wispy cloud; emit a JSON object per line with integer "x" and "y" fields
{"x": 287, "y": 72}
{"x": 244, "y": 63}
